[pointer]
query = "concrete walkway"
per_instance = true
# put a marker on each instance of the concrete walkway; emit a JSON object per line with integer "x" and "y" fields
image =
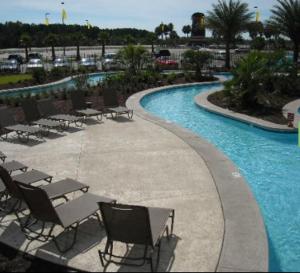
{"x": 138, "y": 163}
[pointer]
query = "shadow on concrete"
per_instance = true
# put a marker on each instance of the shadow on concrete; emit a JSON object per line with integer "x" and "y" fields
{"x": 121, "y": 119}
{"x": 166, "y": 261}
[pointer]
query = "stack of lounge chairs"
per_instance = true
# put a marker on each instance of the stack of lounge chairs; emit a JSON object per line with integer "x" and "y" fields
{"x": 131, "y": 225}
{"x": 43, "y": 116}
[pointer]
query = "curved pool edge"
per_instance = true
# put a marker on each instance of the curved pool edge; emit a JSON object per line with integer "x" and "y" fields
{"x": 245, "y": 244}
{"x": 202, "y": 101}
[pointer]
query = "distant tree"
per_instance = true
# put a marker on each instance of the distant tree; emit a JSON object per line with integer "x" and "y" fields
{"x": 187, "y": 30}
{"x": 134, "y": 58}
{"x": 103, "y": 39}
{"x": 286, "y": 18}
{"x": 255, "y": 29}
{"x": 229, "y": 19}
{"x": 51, "y": 40}
{"x": 152, "y": 39}
{"x": 196, "y": 60}
{"x": 129, "y": 40}
{"x": 25, "y": 40}
{"x": 258, "y": 43}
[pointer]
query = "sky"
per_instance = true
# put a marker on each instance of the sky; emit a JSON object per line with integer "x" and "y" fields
{"x": 142, "y": 14}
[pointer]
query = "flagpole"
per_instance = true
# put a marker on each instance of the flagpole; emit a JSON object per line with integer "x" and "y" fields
{"x": 63, "y": 23}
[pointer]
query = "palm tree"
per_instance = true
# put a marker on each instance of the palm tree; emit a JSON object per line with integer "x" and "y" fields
{"x": 78, "y": 38}
{"x": 26, "y": 41}
{"x": 152, "y": 39}
{"x": 52, "y": 40}
{"x": 286, "y": 17}
{"x": 187, "y": 30}
{"x": 229, "y": 19}
{"x": 103, "y": 39}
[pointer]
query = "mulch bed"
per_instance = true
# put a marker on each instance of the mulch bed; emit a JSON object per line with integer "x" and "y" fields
{"x": 272, "y": 114}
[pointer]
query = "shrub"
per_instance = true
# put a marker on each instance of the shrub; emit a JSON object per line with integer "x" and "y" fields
{"x": 39, "y": 75}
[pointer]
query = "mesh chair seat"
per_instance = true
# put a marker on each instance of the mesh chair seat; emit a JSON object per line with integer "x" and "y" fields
{"x": 47, "y": 123}
{"x": 89, "y": 112}
{"x": 32, "y": 177}
{"x": 79, "y": 209}
{"x": 66, "y": 186}
{"x": 13, "y": 166}
{"x": 67, "y": 118}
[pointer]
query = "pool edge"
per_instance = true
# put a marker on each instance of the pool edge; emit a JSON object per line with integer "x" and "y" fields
{"x": 245, "y": 244}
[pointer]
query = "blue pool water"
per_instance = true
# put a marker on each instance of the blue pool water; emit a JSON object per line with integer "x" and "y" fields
{"x": 93, "y": 80}
{"x": 269, "y": 161}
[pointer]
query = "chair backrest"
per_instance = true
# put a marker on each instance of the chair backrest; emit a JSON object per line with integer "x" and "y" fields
{"x": 31, "y": 110}
{"x": 78, "y": 100}
{"x": 110, "y": 98}
{"x": 47, "y": 108}
{"x": 6, "y": 118}
{"x": 39, "y": 204}
{"x": 10, "y": 185}
{"x": 127, "y": 224}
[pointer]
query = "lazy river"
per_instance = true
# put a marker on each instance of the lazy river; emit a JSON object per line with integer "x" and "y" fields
{"x": 68, "y": 84}
{"x": 269, "y": 161}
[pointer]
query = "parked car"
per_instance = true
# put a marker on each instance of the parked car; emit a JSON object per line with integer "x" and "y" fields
{"x": 16, "y": 57}
{"x": 35, "y": 56}
{"x": 166, "y": 63}
{"x": 110, "y": 62}
{"x": 162, "y": 53}
{"x": 10, "y": 66}
{"x": 89, "y": 63}
{"x": 35, "y": 64}
{"x": 61, "y": 62}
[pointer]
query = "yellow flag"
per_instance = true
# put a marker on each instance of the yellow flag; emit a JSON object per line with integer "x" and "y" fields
{"x": 202, "y": 22}
{"x": 257, "y": 16}
{"x": 47, "y": 21}
{"x": 64, "y": 15}
{"x": 89, "y": 26}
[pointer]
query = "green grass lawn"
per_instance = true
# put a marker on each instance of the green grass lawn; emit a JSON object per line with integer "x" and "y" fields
{"x": 7, "y": 79}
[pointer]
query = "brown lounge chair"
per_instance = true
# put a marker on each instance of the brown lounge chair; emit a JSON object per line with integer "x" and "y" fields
{"x": 81, "y": 108}
{"x": 8, "y": 125}
{"x": 49, "y": 111}
{"x": 68, "y": 216}
{"x": 55, "y": 191}
{"x": 112, "y": 106}
{"x": 135, "y": 225}
{"x": 33, "y": 116}
{"x": 2, "y": 157}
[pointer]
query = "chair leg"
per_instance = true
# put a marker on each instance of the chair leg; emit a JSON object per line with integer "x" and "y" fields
{"x": 155, "y": 268}
{"x": 65, "y": 250}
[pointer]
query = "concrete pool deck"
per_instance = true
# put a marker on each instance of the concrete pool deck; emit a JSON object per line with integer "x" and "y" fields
{"x": 134, "y": 162}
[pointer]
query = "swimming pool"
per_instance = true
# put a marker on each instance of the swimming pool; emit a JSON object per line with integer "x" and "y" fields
{"x": 269, "y": 161}
{"x": 69, "y": 84}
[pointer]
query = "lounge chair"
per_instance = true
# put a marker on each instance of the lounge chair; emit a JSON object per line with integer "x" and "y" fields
{"x": 2, "y": 157}
{"x": 135, "y": 225}
{"x": 33, "y": 116}
{"x": 49, "y": 111}
{"x": 112, "y": 106}
{"x": 81, "y": 108}
{"x": 13, "y": 166}
{"x": 8, "y": 125}
{"x": 68, "y": 216}
{"x": 55, "y": 191}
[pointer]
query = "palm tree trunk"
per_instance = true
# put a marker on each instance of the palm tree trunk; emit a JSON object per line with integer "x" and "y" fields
{"x": 53, "y": 53}
{"x": 296, "y": 51}
{"x": 26, "y": 53}
{"x": 152, "y": 47}
{"x": 103, "y": 49}
{"x": 78, "y": 53}
{"x": 227, "y": 60}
